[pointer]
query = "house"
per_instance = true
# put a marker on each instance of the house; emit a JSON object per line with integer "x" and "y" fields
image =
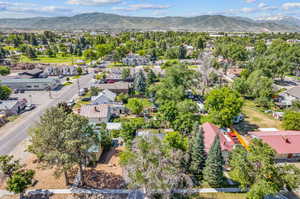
{"x": 285, "y": 143}
{"x": 135, "y": 60}
{"x": 105, "y": 97}
{"x": 210, "y": 131}
{"x": 113, "y": 126}
{"x": 31, "y": 84}
{"x": 236, "y": 72}
{"x": 118, "y": 87}
{"x": 34, "y": 73}
{"x": 293, "y": 93}
{"x": 61, "y": 70}
{"x": 12, "y": 107}
{"x": 147, "y": 133}
{"x": 96, "y": 114}
{"x": 117, "y": 109}
{"x": 287, "y": 98}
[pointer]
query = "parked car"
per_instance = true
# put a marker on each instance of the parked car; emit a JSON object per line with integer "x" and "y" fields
{"x": 238, "y": 119}
{"x": 71, "y": 102}
{"x": 29, "y": 107}
{"x": 81, "y": 92}
{"x": 86, "y": 99}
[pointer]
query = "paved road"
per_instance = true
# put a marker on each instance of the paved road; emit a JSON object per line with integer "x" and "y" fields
{"x": 11, "y": 135}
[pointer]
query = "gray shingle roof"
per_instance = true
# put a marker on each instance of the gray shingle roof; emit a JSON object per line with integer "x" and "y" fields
{"x": 295, "y": 91}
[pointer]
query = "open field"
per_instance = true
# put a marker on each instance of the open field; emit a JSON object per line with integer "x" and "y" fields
{"x": 54, "y": 60}
{"x": 256, "y": 118}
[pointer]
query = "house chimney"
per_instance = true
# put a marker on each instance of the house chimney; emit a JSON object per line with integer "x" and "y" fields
{"x": 286, "y": 139}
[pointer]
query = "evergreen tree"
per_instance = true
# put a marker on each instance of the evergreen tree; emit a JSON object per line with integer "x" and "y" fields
{"x": 182, "y": 52}
{"x": 153, "y": 55}
{"x": 213, "y": 171}
{"x": 151, "y": 77}
{"x": 200, "y": 43}
{"x": 198, "y": 155}
{"x": 139, "y": 83}
{"x": 30, "y": 52}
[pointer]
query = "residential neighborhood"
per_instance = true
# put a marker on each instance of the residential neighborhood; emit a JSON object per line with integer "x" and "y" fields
{"x": 149, "y": 114}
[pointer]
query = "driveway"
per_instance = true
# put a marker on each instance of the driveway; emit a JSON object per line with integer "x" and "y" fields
{"x": 12, "y": 134}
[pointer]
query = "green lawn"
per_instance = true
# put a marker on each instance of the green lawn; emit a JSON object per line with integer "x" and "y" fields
{"x": 58, "y": 60}
{"x": 75, "y": 77}
{"x": 67, "y": 83}
{"x": 116, "y": 64}
{"x": 12, "y": 118}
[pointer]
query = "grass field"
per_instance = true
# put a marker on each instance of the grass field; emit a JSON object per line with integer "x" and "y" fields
{"x": 257, "y": 117}
{"x": 56, "y": 60}
{"x": 67, "y": 83}
{"x": 221, "y": 196}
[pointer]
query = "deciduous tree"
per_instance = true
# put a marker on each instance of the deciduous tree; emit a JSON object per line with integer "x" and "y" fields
{"x": 257, "y": 170}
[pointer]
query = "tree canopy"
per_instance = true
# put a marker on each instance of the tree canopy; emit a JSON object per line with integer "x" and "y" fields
{"x": 256, "y": 169}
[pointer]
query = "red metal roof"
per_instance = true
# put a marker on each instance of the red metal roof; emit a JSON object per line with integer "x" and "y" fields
{"x": 283, "y": 142}
{"x": 210, "y": 132}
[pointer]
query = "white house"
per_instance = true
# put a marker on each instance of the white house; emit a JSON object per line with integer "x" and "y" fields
{"x": 135, "y": 60}
{"x": 105, "y": 97}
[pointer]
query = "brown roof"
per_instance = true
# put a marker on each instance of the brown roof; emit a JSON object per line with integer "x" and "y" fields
{"x": 95, "y": 111}
{"x": 234, "y": 71}
{"x": 117, "y": 86}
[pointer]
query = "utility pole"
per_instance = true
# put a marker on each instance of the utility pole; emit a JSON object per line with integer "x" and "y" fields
{"x": 30, "y": 98}
{"x": 49, "y": 90}
{"x": 78, "y": 85}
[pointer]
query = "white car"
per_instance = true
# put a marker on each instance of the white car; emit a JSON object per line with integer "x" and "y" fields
{"x": 71, "y": 102}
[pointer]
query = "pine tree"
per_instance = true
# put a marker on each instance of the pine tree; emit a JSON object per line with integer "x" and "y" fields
{"x": 182, "y": 52}
{"x": 140, "y": 83}
{"x": 151, "y": 78}
{"x": 198, "y": 155}
{"x": 213, "y": 171}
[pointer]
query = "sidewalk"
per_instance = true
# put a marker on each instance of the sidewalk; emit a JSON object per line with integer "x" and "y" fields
{"x": 121, "y": 191}
{"x": 117, "y": 191}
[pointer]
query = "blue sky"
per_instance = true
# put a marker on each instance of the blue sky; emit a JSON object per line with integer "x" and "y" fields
{"x": 155, "y": 8}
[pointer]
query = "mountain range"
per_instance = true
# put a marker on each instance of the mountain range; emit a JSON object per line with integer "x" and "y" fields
{"x": 113, "y": 22}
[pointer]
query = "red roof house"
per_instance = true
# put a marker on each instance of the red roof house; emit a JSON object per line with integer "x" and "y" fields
{"x": 210, "y": 132}
{"x": 285, "y": 143}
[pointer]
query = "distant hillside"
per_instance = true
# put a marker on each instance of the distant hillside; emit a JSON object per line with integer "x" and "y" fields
{"x": 283, "y": 20}
{"x": 102, "y": 21}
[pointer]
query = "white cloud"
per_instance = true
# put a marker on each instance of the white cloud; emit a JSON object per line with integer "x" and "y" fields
{"x": 249, "y": 10}
{"x": 291, "y": 5}
{"x": 250, "y": 1}
{"x": 135, "y": 7}
{"x": 30, "y": 9}
{"x": 93, "y": 2}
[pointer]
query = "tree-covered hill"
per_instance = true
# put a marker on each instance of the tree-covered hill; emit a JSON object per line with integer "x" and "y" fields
{"x": 112, "y": 22}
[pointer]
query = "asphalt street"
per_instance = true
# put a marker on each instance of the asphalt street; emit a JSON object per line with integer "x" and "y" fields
{"x": 11, "y": 135}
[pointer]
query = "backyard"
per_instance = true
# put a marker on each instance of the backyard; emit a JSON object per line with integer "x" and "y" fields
{"x": 256, "y": 118}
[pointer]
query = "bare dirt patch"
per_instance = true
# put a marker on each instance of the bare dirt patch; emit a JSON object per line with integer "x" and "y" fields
{"x": 45, "y": 178}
